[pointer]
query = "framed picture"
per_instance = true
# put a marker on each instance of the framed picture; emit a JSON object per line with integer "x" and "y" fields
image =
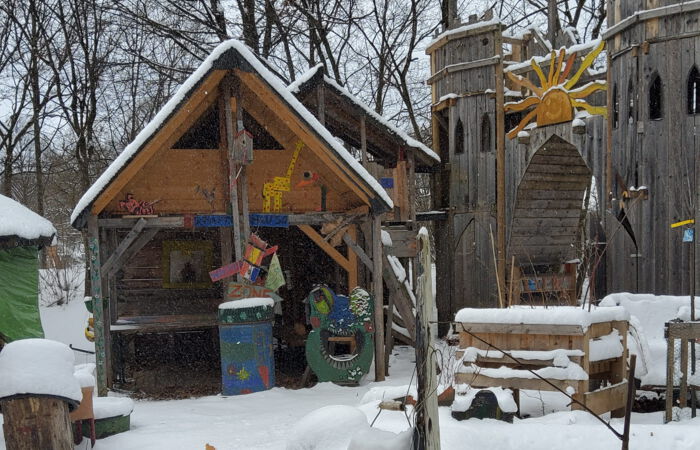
{"x": 186, "y": 264}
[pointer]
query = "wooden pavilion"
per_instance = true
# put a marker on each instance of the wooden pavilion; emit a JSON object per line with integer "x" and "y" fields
{"x": 234, "y": 152}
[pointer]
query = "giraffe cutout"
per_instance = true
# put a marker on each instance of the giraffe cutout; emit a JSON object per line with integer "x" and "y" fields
{"x": 273, "y": 190}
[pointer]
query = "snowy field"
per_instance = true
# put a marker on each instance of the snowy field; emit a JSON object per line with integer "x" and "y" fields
{"x": 269, "y": 420}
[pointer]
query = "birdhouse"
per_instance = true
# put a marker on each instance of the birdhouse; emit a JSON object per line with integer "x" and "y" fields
{"x": 243, "y": 147}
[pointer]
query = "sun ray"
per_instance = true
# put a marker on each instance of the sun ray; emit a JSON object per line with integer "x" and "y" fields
{"x": 595, "y": 110}
{"x": 569, "y": 65}
{"x": 552, "y": 62}
{"x": 521, "y": 81}
{"x": 519, "y": 106}
{"x": 587, "y": 61}
{"x": 514, "y": 132}
{"x": 587, "y": 90}
{"x": 557, "y": 73}
{"x": 538, "y": 70}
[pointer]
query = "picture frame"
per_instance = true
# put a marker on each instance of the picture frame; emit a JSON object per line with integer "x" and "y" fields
{"x": 186, "y": 264}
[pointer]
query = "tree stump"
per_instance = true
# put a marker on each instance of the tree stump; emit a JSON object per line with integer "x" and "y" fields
{"x": 33, "y": 422}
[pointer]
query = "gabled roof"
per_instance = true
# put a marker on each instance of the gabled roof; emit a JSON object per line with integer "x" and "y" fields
{"x": 315, "y": 76}
{"x": 231, "y": 55}
{"x": 20, "y": 225}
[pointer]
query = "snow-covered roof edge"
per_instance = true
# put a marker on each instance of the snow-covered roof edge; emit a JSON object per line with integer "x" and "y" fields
{"x": 307, "y": 76}
{"x": 183, "y": 93}
{"x": 467, "y": 27}
{"x": 16, "y": 220}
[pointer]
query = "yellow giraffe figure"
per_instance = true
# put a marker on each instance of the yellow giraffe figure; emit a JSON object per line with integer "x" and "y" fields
{"x": 273, "y": 190}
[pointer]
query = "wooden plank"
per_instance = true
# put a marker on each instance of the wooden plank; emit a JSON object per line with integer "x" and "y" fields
{"x": 230, "y": 104}
{"x": 682, "y": 330}
{"x": 605, "y": 399}
{"x": 478, "y": 380}
{"x": 143, "y": 239}
{"x": 101, "y": 327}
{"x": 355, "y": 248}
{"x": 326, "y": 247}
{"x": 520, "y": 328}
{"x": 378, "y": 293}
{"x": 151, "y": 222}
{"x": 123, "y": 246}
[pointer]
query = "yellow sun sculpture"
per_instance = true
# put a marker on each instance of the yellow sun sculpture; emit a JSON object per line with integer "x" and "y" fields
{"x": 555, "y": 100}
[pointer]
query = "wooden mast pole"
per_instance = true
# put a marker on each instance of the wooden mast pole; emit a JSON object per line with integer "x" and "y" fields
{"x": 231, "y": 105}
{"x": 500, "y": 167}
{"x": 378, "y": 292}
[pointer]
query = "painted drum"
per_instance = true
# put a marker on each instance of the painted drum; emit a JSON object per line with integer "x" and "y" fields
{"x": 247, "y": 359}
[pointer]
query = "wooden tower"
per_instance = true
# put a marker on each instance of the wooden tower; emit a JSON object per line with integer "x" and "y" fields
{"x": 518, "y": 145}
{"x": 654, "y": 97}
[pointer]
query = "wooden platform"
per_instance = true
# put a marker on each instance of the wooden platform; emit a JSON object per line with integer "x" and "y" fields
{"x": 541, "y": 346}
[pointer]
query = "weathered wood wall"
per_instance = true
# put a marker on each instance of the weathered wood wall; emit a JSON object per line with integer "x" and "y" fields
{"x": 467, "y": 185}
{"x": 658, "y": 154}
{"x": 139, "y": 285}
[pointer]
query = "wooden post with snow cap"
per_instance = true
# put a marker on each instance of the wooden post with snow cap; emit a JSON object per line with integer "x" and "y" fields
{"x": 37, "y": 391}
{"x": 427, "y": 432}
{"x": 378, "y": 293}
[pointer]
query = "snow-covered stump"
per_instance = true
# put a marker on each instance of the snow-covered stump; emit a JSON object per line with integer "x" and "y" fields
{"x": 568, "y": 346}
{"x": 37, "y": 392}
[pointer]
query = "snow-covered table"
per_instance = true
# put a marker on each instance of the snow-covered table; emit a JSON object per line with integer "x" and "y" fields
{"x": 568, "y": 346}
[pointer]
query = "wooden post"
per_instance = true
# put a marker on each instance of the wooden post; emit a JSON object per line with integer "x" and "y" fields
{"x": 243, "y": 179}
{"x": 363, "y": 140}
{"x": 388, "y": 331}
{"x": 552, "y": 22}
{"x": 668, "y": 414}
{"x": 631, "y": 388}
{"x": 427, "y": 419}
{"x": 36, "y": 423}
{"x": 352, "y": 260}
{"x": 501, "y": 167}
{"x": 607, "y": 198}
{"x": 230, "y": 105}
{"x": 321, "y": 99}
{"x": 101, "y": 329}
{"x": 378, "y": 293}
{"x": 684, "y": 373}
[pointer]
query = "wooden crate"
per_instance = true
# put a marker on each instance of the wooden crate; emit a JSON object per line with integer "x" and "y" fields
{"x": 575, "y": 339}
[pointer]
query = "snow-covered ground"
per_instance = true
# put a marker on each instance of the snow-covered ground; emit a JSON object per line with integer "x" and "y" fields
{"x": 269, "y": 420}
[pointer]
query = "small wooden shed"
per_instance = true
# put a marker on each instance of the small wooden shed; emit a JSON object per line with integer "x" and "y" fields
{"x": 22, "y": 234}
{"x": 233, "y": 152}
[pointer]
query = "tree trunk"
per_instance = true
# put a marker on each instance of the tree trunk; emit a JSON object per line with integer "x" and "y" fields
{"x": 36, "y": 423}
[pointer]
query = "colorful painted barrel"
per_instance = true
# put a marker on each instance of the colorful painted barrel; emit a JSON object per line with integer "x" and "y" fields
{"x": 245, "y": 338}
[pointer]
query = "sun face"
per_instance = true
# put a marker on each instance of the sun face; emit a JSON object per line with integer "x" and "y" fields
{"x": 554, "y": 100}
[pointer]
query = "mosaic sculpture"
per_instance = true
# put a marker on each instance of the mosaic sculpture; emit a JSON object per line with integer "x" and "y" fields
{"x": 340, "y": 323}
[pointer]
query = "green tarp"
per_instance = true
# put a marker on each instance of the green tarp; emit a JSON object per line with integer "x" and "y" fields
{"x": 19, "y": 294}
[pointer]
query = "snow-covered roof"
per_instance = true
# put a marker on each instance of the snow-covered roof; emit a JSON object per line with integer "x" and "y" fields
{"x": 307, "y": 77}
{"x": 227, "y": 55}
{"x": 19, "y": 221}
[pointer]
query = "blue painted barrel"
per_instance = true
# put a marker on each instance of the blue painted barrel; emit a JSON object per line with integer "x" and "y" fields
{"x": 245, "y": 339}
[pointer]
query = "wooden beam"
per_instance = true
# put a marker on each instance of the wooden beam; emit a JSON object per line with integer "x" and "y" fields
{"x": 605, "y": 399}
{"x": 123, "y": 245}
{"x": 351, "y": 242}
{"x": 521, "y": 328}
{"x": 326, "y": 247}
{"x": 151, "y": 222}
{"x": 143, "y": 239}
{"x": 352, "y": 259}
{"x": 378, "y": 293}
{"x": 452, "y": 68}
{"x": 363, "y": 140}
{"x": 500, "y": 169}
{"x": 231, "y": 105}
{"x": 101, "y": 326}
